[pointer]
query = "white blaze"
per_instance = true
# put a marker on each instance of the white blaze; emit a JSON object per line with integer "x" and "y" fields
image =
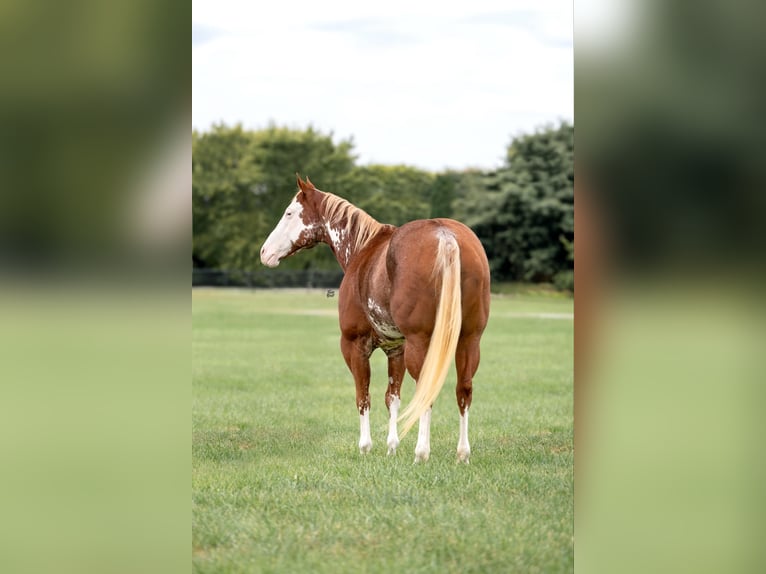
{"x": 285, "y": 234}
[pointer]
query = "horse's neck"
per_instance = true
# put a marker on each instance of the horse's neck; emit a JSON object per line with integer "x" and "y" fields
{"x": 349, "y": 235}
{"x": 338, "y": 240}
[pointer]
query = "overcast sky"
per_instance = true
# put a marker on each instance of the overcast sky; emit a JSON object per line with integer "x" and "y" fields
{"x": 429, "y": 84}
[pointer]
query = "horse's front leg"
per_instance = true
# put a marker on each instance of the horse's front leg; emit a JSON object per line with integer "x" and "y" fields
{"x": 393, "y": 398}
{"x": 356, "y": 352}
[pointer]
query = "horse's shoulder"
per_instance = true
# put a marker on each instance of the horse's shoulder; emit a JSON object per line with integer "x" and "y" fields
{"x": 353, "y": 320}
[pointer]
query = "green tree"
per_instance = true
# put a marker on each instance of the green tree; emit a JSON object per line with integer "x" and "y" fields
{"x": 470, "y": 194}
{"x": 242, "y": 181}
{"x": 225, "y": 175}
{"x": 281, "y": 152}
{"x": 523, "y": 212}
{"x": 525, "y": 217}
{"x": 443, "y": 192}
{"x": 392, "y": 194}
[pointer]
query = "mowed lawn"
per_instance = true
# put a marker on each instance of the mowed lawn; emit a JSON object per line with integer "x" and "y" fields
{"x": 279, "y": 485}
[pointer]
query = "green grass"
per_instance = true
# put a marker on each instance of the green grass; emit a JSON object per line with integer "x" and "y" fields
{"x": 278, "y": 483}
{"x": 524, "y": 289}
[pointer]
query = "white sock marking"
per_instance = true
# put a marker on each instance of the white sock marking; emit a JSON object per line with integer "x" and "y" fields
{"x": 393, "y": 435}
{"x": 365, "y": 439}
{"x": 463, "y": 448}
{"x": 423, "y": 446}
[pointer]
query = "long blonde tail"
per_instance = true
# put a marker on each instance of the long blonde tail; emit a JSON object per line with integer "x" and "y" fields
{"x": 441, "y": 349}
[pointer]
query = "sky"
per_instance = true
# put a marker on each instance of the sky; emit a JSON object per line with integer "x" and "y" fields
{"x": 435, "y": 85}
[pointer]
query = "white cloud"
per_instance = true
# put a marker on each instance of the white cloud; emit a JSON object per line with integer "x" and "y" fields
{"x": 432, "y": 85}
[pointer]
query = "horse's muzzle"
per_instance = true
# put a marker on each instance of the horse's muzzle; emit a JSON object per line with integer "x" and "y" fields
{"x": 269, "y": 259}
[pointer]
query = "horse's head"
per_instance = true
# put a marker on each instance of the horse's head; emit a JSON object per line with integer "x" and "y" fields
{"x": 299, "y": 228}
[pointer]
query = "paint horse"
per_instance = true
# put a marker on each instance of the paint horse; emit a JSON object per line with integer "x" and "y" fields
{"x": 419, "y": 292}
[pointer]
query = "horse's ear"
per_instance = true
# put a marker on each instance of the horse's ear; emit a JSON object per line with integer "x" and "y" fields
{"x": 304, "y": 186}
{"x": 309, "y": 182}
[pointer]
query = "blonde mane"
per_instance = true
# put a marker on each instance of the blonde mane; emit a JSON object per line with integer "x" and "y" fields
{"x": 336, "y": 209}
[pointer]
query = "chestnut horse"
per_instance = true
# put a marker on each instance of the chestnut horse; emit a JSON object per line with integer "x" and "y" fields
{"x": 419, "y": 292}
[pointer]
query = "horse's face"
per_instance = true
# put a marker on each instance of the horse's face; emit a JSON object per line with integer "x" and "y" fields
{"x": 298, "y": 229}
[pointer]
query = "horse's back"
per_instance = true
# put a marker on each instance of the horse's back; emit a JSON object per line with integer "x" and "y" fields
{"x": 415, "y": 287}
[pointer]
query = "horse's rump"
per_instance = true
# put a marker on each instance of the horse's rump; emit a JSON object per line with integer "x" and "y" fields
{"x": 410, "y": 262}
{"x": 428, "y": 263}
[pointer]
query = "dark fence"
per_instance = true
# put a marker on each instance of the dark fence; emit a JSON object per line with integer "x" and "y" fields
{"x": 266, "y": 279}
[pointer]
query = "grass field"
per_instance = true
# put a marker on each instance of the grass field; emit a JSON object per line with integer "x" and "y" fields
{"x": 278, "y": 484}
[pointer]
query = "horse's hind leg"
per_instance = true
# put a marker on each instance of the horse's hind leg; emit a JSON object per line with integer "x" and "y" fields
{"x": 415, "y": 350}
{"x": 467, "y": 362}
{"x": 393, "y": 399}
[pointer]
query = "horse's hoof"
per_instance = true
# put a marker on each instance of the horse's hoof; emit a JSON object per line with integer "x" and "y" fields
{"x": 463, "y": 456}
{"x": 421, "y": 457}
{"x": 365, "y": 448}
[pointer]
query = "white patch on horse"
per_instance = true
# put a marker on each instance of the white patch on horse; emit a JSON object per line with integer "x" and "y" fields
{"x": 373, "y": 306}
{"x": 365, "y": 439}
{"x": 393, "y": 435}
{"x": 382, "y": 322}
{"x": 338, "y": 240}
{"x": 336, "y": 235}
{"x": 463, "y": 448}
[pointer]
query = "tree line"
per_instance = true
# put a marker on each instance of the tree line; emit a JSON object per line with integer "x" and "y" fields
{"x": 523, "y": 211}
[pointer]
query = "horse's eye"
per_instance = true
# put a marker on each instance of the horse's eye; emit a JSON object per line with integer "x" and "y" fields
{"x": 289, "y": 213}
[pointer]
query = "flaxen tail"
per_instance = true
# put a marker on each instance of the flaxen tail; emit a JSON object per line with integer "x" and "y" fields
{"x": 441, "y": 349}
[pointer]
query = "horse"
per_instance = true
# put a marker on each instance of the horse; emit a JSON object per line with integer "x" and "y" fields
{"x": 419, "y": 292}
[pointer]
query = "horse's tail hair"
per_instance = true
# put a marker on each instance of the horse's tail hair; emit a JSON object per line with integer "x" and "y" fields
{"x": 441, "y": 349}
